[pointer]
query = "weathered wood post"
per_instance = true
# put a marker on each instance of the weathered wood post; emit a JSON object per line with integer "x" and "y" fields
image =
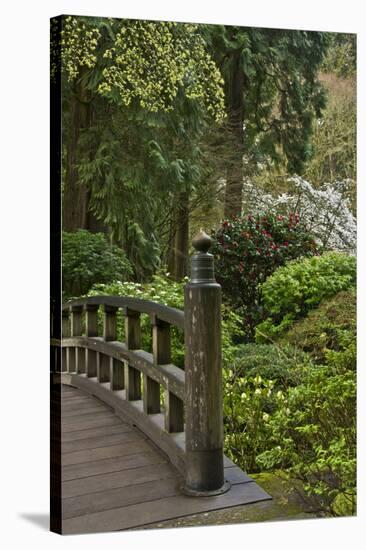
{"x": 203, "y": 377}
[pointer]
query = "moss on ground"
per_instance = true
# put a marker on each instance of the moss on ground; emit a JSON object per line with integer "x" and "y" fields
{"x": 286, "y": 504}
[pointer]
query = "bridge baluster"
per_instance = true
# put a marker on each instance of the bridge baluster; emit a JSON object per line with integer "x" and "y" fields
{"x": 161, "y": 355}
{"x": 65, "y": 334}
{"x": 203, "y": 376}
{"x": 174, "y": 412}
{"x": 132, "y": 377}
{"x": 73, "y": 362}
{"x": 91, "y": 328}
{"x": 109, "y": 334}
{"x": 115, "y": 367}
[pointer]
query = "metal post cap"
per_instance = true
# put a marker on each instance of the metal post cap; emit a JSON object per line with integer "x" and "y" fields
{"x": 202, "y": 262}
{"x": 201, "y": 241}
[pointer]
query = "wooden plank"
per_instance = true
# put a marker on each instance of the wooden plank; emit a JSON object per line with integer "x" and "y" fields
{"x": 137, "y": 515}
{"x": 153, "y": 426}
{"x": 91, "y": 423}
{"x": 94, "y": 432}
{"x": 101, "y": 441}
{"x": 73, "y": 397}
{"x": 74, "y": 400}
{"x": 69, "y": 389}
{"x": 85, "y": 419}
{"x": 109, "y": 465}
{"x": 66, "y": 391}
{"x": 81, "y": 457}
{"x": 80, "y": 412}
{"x": 115, "y": 498}
{"x": 71, "y": 406}
{"x": 122, "y": 478}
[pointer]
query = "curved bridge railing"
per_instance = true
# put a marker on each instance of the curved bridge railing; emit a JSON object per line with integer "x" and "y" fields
{"x": 187, "y": 424}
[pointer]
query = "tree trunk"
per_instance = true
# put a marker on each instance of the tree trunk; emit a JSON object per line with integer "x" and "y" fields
{"x": 178, "y": 256}
{"x": 234, "y": 169}
{"x": 75, "y": 195}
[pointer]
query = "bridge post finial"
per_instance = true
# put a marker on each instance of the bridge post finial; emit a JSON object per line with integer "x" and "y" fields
{"x": 203, "y": 376}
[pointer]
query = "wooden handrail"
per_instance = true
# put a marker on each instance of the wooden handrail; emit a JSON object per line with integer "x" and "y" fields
{"x": 190, "y": 426}
{"x": 170, "y": 315}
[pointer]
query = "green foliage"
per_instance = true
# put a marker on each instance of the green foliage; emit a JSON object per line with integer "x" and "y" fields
{"x": 151, "y": 60}
{"x": 326, "y": 330}
{"x": 275, "y": 72}
{"x": 247, "y": 250}
{"x": 301, "y": 285}
{"x": 79, "y": 40}
{"x": 144, "y": 61}
{"x": 313, "y": 437}
{"x": 282, "y": 364}
{"x": 283, "y": 411}
{"x": 333, "y": 142}
{"x": 247, "y": 404}
{"x": 87, "y": 259}
{"x": 146, "y": 95}
{"x": 341, "y": 58}
{"x": 254, "y": 385}
{"x": 139, "y": 164}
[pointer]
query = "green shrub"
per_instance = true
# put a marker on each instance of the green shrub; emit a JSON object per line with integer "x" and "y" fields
{"x": 330, "y": 328}
{"x": 312, "y": 436}
{"x": 247, "y": 250}
{"x": 282, "y": 364}
{"x": 299, "y": 286}
{"x": 248, "y": 403}
{"x": 254, "y": 385}
{"x": 87, "y": 259}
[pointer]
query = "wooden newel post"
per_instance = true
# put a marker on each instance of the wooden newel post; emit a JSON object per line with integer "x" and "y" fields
{"x": 203, "y": 376}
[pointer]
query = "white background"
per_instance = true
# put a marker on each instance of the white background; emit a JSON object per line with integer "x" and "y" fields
{"x": 24, "y": 271}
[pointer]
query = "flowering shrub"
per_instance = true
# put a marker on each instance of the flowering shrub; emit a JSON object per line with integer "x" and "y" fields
{"x": 325, "y": 211}
{"x": 247, "y": 250}
{"x": 299, "y": 286}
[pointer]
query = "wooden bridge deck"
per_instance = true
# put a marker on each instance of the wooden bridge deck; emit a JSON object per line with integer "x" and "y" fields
{"x": 114, "y": 478}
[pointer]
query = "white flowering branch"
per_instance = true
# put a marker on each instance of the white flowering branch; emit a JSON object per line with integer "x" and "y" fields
{"x": 325, "y": 211}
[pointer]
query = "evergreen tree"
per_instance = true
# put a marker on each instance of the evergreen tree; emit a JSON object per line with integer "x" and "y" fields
{"x": 272, "y": 95}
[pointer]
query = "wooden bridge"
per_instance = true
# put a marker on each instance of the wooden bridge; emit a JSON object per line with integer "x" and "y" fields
{"x": 135, "y": 440}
